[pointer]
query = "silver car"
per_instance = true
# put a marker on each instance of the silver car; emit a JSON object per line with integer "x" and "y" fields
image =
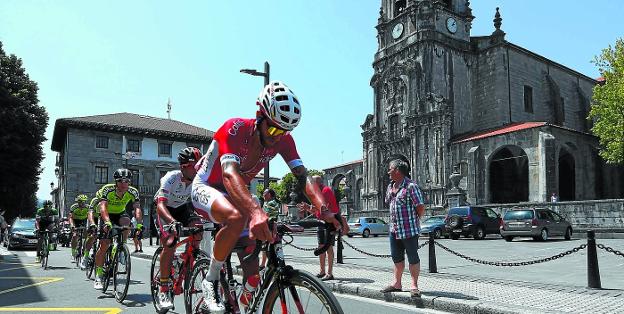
{"x": 539, "y": 223}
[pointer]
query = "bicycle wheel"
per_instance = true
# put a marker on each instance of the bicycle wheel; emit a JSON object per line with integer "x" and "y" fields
{"x": 91, "y": 260}
{"x": 108, "y": 267}
{"x": 155, "y": 279}
{"x": 121, "y": 273}
{"x": 193, "y": 292}
{"x": 44, "y": 252}
{"x": 300, "y": 292}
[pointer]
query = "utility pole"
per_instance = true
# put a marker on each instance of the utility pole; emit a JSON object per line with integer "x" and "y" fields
{"x": 266, "y": 74}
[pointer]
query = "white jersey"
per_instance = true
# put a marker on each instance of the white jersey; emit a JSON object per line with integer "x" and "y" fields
{"x": 173, "y": 190}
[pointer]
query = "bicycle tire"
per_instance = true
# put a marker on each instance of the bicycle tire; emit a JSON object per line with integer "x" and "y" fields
{"x": 91, "y": 261}
{"x": 200, "y": 270}
{"x": 298, "y": 279}
{"x": 108, "y": 267}
{"x": 154, "y": 279}
{"x": 45, "y": 252}
{"x": 120, "y": 294}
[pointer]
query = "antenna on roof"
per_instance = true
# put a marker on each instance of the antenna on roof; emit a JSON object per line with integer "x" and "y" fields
{"x": 169, "y": 108}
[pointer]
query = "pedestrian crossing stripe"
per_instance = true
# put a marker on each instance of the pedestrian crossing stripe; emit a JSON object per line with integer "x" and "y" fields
{"x": 106, "y": 310}
{"x": 44, "y": 280}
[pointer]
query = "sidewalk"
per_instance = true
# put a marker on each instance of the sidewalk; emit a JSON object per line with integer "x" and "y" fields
{"x": 459, "y": 293}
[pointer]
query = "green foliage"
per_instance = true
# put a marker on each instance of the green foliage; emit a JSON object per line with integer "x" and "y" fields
{"x": 286, "y": 185}
{"x": 607, "y": 108}
{"x": 22, "y": 128}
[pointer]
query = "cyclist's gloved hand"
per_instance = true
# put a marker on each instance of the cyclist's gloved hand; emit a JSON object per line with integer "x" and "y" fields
{"x": 108, "y": 224}
{"x": 139, "y": 226}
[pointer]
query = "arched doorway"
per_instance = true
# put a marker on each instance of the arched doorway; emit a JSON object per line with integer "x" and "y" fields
{"x": 509, "y": 176}
{"x": 338, "y": 184}
{"x": 567, "y": 176}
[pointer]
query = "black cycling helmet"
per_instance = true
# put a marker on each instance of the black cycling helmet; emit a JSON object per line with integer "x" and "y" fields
{"x": 47, "y": 203}
{"x": 189, "y": 154}
{"x": 122, "y": 173}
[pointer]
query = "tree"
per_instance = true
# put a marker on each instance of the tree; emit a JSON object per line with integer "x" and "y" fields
{"x": 22, "y": 129}
{"x": 607, "y": 108}
{"x": 286, "y": 185}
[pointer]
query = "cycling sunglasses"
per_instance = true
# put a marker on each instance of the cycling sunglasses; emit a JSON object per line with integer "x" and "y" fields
{"x": 123, "y": 180}
{"x": 275, "y": 131}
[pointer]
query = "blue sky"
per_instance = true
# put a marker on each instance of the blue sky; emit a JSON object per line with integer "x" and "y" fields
{"x": 102, "y": 57}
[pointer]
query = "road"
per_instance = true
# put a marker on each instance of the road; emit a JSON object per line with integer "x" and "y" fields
{"x": 569, "y": 270}
{"x": 24, "y": 286}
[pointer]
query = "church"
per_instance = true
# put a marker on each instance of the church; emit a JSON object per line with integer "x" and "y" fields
{"x": 507, "y": 124}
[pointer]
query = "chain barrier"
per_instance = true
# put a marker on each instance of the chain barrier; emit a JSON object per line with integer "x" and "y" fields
{"x": 610, "y": 249}
{"x": 377, "y": 255}
{"x": 513, "y": 264}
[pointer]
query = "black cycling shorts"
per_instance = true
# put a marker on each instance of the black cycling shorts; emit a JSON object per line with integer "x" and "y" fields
{"x": 114, "y": 218}
{"x": 185, "y": 214}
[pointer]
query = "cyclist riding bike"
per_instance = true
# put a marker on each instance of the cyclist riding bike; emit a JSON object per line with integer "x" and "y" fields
{"x": 92, "y": 220}
{"x": 239, "y": 150}
{"x": 77, "y": 218}
{"x": 113, "y": 200}
{"x": 44, "y": 220}
{"x": 174, "y": 207}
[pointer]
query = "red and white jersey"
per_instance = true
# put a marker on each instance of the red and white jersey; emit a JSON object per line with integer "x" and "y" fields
{"x": 230, "y": 143}
{"x": 173, "y": 190}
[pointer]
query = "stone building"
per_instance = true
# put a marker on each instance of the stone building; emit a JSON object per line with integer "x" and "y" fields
{"x": 91, "y": 148}
{"x": 511, "y": 123}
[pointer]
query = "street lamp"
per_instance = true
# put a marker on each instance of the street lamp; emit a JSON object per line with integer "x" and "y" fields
{"x": 266, "y": 75}
{"x": 51, "y": 185}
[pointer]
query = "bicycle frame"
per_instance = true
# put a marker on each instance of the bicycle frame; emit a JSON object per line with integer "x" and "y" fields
{"x": 188, "y": 259}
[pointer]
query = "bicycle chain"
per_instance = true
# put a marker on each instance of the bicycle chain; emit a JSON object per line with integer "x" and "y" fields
{"x": 513, "y": 264}
{"x": 610, "y": 249}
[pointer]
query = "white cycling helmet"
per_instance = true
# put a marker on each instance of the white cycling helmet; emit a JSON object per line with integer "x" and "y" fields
{"x": 280, "y": 105}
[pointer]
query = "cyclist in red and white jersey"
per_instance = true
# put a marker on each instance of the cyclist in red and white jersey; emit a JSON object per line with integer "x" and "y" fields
{"x": 239, "y": 150}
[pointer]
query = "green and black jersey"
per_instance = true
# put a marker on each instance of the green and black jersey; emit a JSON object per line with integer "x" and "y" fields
{"x": 116, "y": 204}
{"x": 79, "y": 212}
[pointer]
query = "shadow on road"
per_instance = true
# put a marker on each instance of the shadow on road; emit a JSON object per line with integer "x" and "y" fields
{"x": 17, "y": 285}
{"x": 452, "y": 295}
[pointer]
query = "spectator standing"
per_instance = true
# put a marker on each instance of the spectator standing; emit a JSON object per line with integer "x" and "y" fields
{"x": 406, "y": 209}
{"x": 554, "y": 198}
{"x": 272, "y": 208}
{"x": 325, "y": 237}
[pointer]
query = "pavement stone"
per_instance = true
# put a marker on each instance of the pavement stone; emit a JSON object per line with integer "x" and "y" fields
{"x": 461, "y": 293}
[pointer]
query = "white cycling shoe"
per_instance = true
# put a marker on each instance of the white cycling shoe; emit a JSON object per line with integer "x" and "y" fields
{"x": 210, "y": 298}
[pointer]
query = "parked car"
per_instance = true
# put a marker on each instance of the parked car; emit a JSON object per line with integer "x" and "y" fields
{"x": 366, "y": 226}
{"x": 472, "y": 221}
{"x": 436, "y": 225}
{"x": 22, "y": 234}
{"x": 539, "y": 223}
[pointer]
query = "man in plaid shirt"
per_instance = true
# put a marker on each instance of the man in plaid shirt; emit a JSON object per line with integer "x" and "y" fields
{"x": 406, "y": 208}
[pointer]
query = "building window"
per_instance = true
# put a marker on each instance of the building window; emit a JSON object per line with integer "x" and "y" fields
{"x": 135, "y": 178}
{"x": 134, "y": 146}
{"x": 399, "y": 7}
{"x": 101, "y": 142}
{"x": 394, "y": 126}
{"x": 164, "y": 149}
{"x": 562, "y": 110}
{"x": 528, "y": 98}
{"x": 101, "y": 174}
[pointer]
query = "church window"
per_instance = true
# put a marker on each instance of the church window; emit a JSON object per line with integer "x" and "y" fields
{"x": 528, "y": 99}
{"x": 399, "y": 7}
{"x": 448, "y": 4}
{"x": 394, "y": 126}
{"x": 562, "y": 110}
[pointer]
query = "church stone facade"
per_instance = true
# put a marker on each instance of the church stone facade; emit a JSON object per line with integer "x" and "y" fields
{"x": 507, "y": 123}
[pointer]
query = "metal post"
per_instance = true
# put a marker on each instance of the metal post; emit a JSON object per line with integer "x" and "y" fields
{"x": 339, "y": 248}
{"x": 593, "y": 271}
{"x": 433, "y": 266}
{"x": 266, "y": 75}
{"x": 150, "y": 226}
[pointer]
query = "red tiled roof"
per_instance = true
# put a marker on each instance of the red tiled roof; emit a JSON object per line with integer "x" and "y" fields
{"x": 503, "y": 130}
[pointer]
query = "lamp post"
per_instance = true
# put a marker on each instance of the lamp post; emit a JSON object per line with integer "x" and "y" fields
{"x": 430, "y": 196}
{"x": 266, "y": 75}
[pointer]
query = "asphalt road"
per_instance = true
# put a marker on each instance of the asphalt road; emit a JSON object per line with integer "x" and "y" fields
{"x": 63, "y": 288}
{"x": 569, "y": 270}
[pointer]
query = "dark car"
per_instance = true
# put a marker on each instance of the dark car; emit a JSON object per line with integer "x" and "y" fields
{"x": 472, "y": 221}
{"x": 22, "y": 234}
{"x": 436, "y": 225}
{"x": 539, "y": 223}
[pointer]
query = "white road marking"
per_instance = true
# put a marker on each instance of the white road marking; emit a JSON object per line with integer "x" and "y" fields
{"x": 399, "y": 306}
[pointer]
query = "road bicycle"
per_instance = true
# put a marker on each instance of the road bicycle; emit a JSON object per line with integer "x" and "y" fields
{"x": 45, "y": 247}
{"x": 117, "y": 264}
{"x": 181, "y": 265}
{"x": 79, "y": 248}
{"x": 282, "y": 288}
{"x": 90, "y": 262}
